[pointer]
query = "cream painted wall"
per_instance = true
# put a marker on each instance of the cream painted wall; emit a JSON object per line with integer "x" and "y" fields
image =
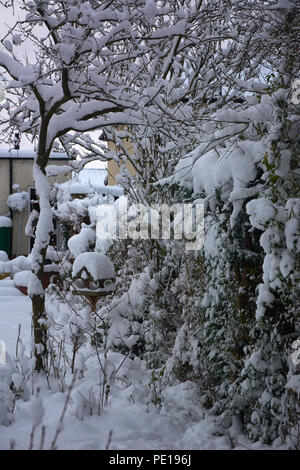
{"x": 4, "y": 186}
{"x": 22, "y": 175}
{"x": 113, "y": 168}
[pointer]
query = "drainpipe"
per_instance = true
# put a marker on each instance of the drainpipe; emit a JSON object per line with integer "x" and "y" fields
{"x": 11, "y": 212}
{"x": 16, "y": 143}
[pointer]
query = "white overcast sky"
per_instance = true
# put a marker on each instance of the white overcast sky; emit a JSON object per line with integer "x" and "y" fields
{"x": 6, "y": 16}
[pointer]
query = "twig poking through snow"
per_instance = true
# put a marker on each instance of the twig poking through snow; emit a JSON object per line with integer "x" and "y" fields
{"x": 109, "y": 440}
{"x": 61, "y": 419}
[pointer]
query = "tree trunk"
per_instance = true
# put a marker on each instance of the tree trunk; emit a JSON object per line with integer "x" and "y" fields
{"x": 40, "y": 332}
{"x": 36, "y": 290}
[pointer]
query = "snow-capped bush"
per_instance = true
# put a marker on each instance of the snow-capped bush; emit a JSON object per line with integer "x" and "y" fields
{"x": 18, "y": 201}
{"x": 3, "y": 256}
{"x": 82, "y": 242}
{"x": 6, "y": 394}
{"x": 22, "y": 278}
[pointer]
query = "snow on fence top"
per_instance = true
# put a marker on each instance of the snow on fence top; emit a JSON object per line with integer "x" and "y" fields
{"x": 29, "y": 154}
{"x": 74, "y": 187}
{"x": 5, "y": 221}
{"x": 97, "y": 265}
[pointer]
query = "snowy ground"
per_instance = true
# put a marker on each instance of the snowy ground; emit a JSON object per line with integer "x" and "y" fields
{"x": 135, "y": 423}
{"x": 15, "y": 309}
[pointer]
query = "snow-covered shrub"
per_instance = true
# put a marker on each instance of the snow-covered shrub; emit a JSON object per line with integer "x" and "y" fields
{"x": 70, "y": 326}
{"x": 86, "y": 401}
{"x": 18, "y": 201}
{"x": 6, "y": 394}
{"x": 82, "y": 242}
{"x": 15, "y": 382}
{"x": 15, "y": 265}
{"x": 248, "y": 314}
{"x": 22, "y": 278}
{"x": 3, "y": 256}
{"x": 291, "y": 399}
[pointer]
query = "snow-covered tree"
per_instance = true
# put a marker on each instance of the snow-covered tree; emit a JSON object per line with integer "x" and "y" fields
{"x": 203, "y": 92}
{"x": 92, "y": 64}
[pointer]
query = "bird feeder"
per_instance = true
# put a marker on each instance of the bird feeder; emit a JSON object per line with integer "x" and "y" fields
{"x": 93, "y": 277}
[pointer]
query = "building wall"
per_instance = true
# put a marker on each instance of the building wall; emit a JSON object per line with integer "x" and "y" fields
{"x": 4, "y": 186}
{"x": 113, "y": 168}
{"x": 22, "y": 175}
